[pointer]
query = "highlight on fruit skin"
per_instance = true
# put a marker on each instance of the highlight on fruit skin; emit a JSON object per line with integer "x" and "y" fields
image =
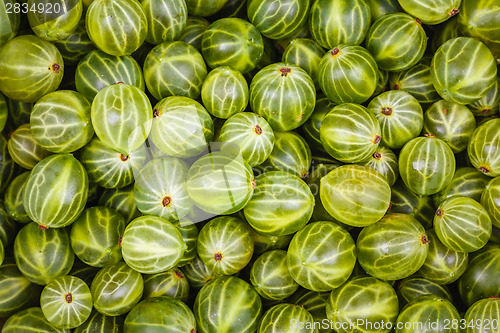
{"x": 426, "y": 165}
{"x": 333, "y": 23}
{"x": 355, "y": 195}
{"x": 31, "y": 67}
{"x": 348, "y": 74}
{"x": 433, "y": 12}
{"x": 328, "y": 268}
{"x": 482, "y": 158}
{"x": 397, "y": 239}
{"x": 116, "y": 27}
{"x": 462, "y": 224}
{"x": 284, "y": 95}
{"x": 350, "y": 133}
{"x": 425, "y": 306}
{"x": 397, "y": 41}
{"x": 463, "y": 55}
{"x": 73, "y": 308}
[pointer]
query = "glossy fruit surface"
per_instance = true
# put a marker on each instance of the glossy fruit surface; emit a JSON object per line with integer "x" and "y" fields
{"x": 312, "y": 127}
{"x": 488, "y": 105}
{"x": 197, "y": 273}
{"x": 453, "y": 123}
{"x": 99, "y": 323}
{"x": 4, "y": 111}
{"x": 193, "y": 31}
{"x": 182, "y": 127}
{"x": 393, "y": 248}
{"x": 290, "y": 153}
{"x": 379, "y": 8}
{"x": 210, "y": 174}
{"x": 171, "y": 283}
{"x": 55, "y": 25}
{"x": 10, "y": 23}
{"x": 433, "y": 12}
{"x": 116, "y": 27}
{"x": 96, "y": 236}
{"x": 53, "y": 257}
{"x": 484, "y": 311}
{"x": 189, "y": 232}
{"x": 107, "y": 167}
{"x": 7, "y": 165}
{"x": 204, "y": 7}
{"x": 149, "y": 314}
{"x": 14, "y": 198}
{"x": 449, "y": 30}
{"x": 416, "y": 81}
{"x": 31, "y": 320}
{"x": 364, "y": 298}
{"x": 281, "y": 205}
{"x": 435, "y": 309}
{"x": 442, "y": 264}
{"x": 481, "y": 279}
{"x": 350, "y": 133}
{"x": 166, "y": 19}
{"x": 116, "y": 289}
{"x": 306, "y": 53}
{"x": 279, "y": 319}
{"x": 121, "y": 116}
{"x": 121, "y": 199}
{"x": 227, "y": 304}
{"x": 76, "y": 45}
{"x": 414, "y": 287}
{"x": 31, "y": 67}
{"x": 232, "y": 42}
{"x": 467, "y": 182}
{"x": 462, "y": 224}
{"x": 284, "y": 95}
{"x": 249, "y": 166}
{"x": 66, "y": 302}
{"x": 348, "y": 74}
{"x": 252, "y": 133}
{"x": 264, "y": 243}
{"x": 396, "y": 41}
{"x": 68, "y": 181}
{"x": 450, "y": 67}
{"x": 224, "y": 92}
{"x": 60, "y": 121}
{"x": 159, "y": 189}
{"x": 478, "y": 19}
{"x": 332, "y": 23}
{"x": 286, "y": 19}
{"x": 426, "y": 165}
{"x": 16, "y": 291}
{"x": 225, "y": 245}
{"x": 385, "y": 162}
{"x": 23, "y": 148}
{"x": 97, "y": 70}
{"x": 7, "y": 227}
{"x": 490, "y": 199}
{"x": 480, "y": 155}
{"x": 400, "y": 116}
{"x": 181, "y": 63}
{"x": 355, "y": 195}
{"x": 321, "y": 256}
{"x": 315, "y": 303}
{"x": 270, "y": 276}
{"x": 151, "y": 245}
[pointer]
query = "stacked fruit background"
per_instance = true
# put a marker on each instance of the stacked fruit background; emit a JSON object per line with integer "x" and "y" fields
{"x": 240, "y": 166}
